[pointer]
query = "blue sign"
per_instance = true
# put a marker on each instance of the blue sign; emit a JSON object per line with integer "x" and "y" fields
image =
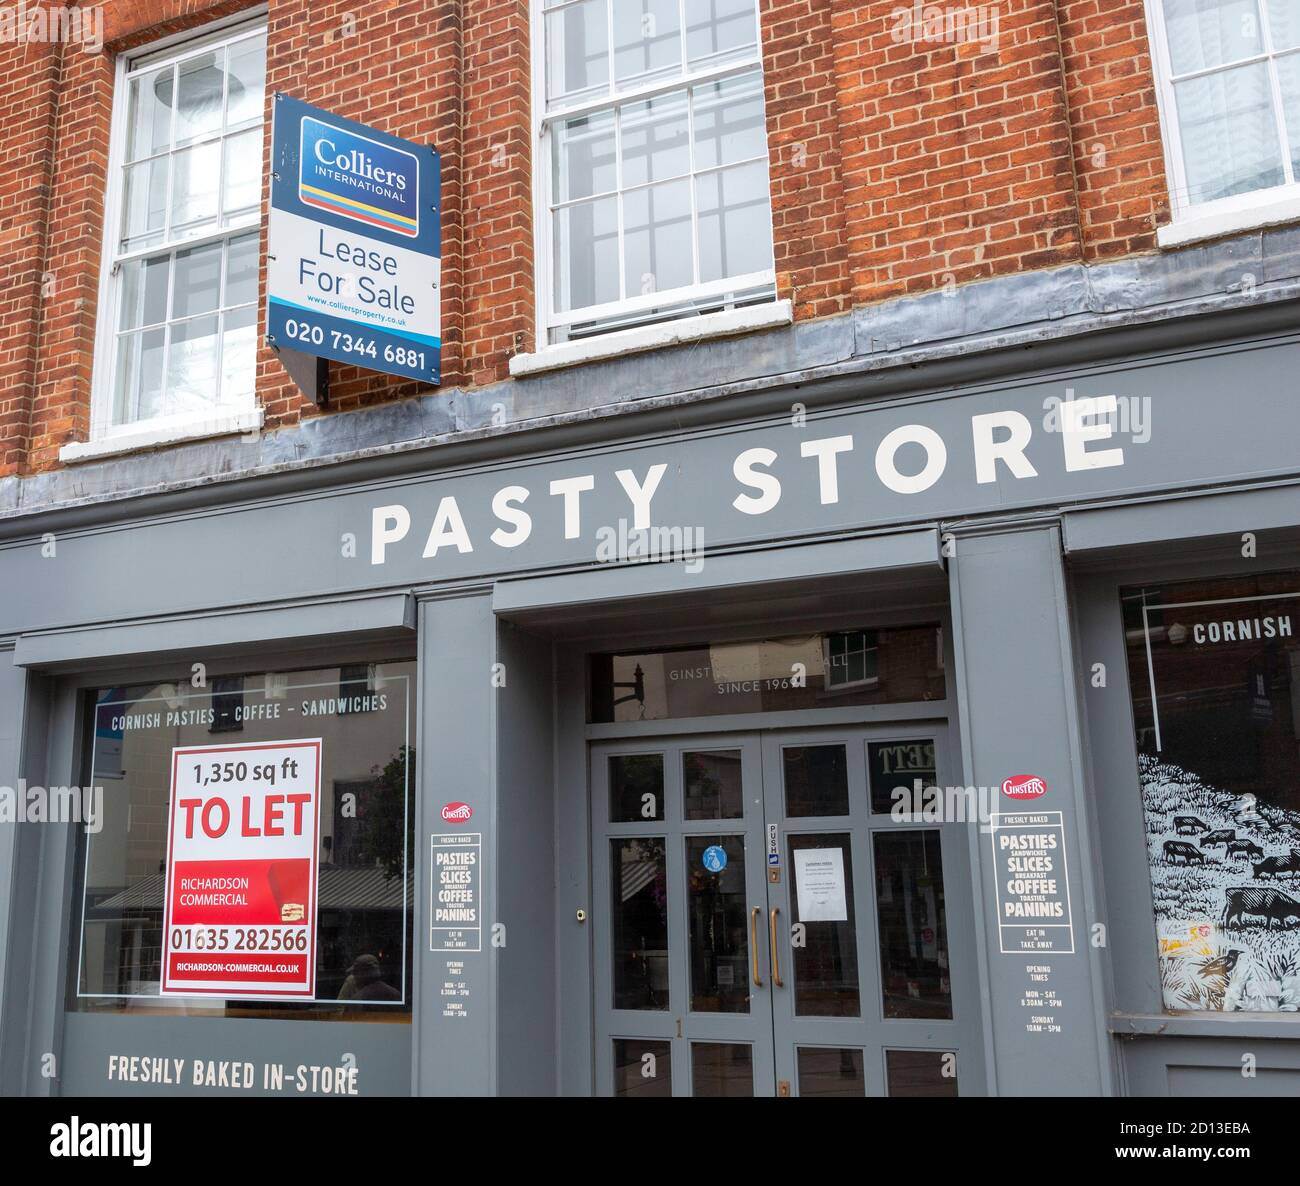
{"x": 355, "y": 245}
{"x": 715, "y": 858}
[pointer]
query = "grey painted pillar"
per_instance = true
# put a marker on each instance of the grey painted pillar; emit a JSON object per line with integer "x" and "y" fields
{"x": 1017, "y": 696}
{"x": 454, "y": 1030}
{"x": 12, "y": 702}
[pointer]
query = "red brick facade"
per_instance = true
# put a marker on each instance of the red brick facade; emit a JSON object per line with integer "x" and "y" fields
{"x": 898, "y": 166}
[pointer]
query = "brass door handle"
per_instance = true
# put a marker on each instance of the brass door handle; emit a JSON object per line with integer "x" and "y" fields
{"x": 776, "y": 959}
{"x": 753, "y": 945}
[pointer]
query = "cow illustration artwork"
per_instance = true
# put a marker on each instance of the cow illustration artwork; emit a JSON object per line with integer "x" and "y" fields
{"x": 1227, "y": 926}
{"x": 1181, "y": 852}
{"x": 1223, "y": 836}
{"x": 1244, "y": 848}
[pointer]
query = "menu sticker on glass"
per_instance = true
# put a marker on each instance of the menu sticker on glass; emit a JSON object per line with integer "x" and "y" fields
{"x": 819, "y": 882}
{"x": 243, "y": 837}
{"x": 455, "y": 892}
{"x": 1033, "y": 891}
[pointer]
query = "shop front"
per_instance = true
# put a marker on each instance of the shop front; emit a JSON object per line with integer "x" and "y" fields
{"x": 932, "y": 742}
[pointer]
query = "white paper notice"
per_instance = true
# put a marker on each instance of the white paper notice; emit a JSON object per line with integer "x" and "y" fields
{"x": 819, "y": 881}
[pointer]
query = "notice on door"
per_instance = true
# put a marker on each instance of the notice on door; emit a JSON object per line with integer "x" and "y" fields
{"x": 243, "y": 836}
{"x": 819, "y": 882}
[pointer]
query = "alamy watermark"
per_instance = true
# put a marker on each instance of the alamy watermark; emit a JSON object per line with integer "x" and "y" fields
{"x": 933, "y": 24}
{"x": 33, "y": 804}
{"x": 24, "y": 22}
{"x": 622, "y": 544}
{"x": 925, "y": 804}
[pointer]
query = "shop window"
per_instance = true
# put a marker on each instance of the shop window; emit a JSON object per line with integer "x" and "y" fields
{"x": 1229, "y": 81}
{"x": 1214, "y": 669}
{"x": 892, "y": 665}
{"x": 653, "y": 174}
{"x": 177, "y": 339}
{"x": 325, "y": 906}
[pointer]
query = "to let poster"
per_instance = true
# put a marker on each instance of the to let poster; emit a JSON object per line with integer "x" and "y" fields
{"x": 242, "y": 844}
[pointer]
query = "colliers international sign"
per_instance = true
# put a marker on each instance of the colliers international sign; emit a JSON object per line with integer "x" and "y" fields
{"x": 354, "y": 265}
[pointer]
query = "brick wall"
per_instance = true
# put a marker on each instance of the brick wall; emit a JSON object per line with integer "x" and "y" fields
{"x": 899, "y": 164}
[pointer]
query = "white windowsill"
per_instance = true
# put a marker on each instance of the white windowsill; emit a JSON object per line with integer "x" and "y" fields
{"x": 162, "y": 434}
{"x": 725, "y": 323}
{"x": 1193, "y": 227}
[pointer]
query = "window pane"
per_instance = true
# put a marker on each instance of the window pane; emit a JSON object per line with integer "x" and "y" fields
{"x": 719, "y": 31}
{"x": 829, "y": 1072}
{"x": 1204, "y": 33}
{"x": 642, "y": 1068}
{"x": 1229, "y": 140}
{"x": 647, "y": 40}
{"x": 238, "y": 356}
{"x": 582, "y": 157}
{"x": 139, "y": 376}
{"x": 656, "y": 140}
{"x": 921, "y": 1072}
{"x": 586, "y": 254}
{"x": 144, "y": 292}
{"x": 639, "y": 880}
{"x": 899, "y": 766}
{"x": 144, "y": 203}
{"x": 826, "y": 965}
{"x": 194, "y": 188}
{"x": 913, "y": 925}
{"x": 196, "y": 287}
{"x": 243, "y": 183}
{"x": 577, "y": 50}
{"x": 736, "y": 234}
{"x": 712, "y": 785}
{"x": 719, "y": 938}
{"x": 246, "y": 87}
{"x": 636, "y": 788}
{"x": 364, "y": 895}
{"x": 201, "y": 85}
{"x": 816, "y": 780}
{"x": 149, "y": 114}
{"x": 657, "y": 246}
{"x": 721, "y": 1069}
{"x": 1284, "y": 23}
{"x": 1288, "y": 76}
{"x": 729, "y": 121}
{"x": 241, "y": 270}
{"x": 192, "y": 365}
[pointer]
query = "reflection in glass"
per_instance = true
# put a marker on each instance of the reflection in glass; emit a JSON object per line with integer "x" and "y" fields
{"x": 718, "y": 936}
{"x": 642, "y": 1067}
{"x": 899, "y": 765}
{"x": 721, "y": 1069}
{"x": 830, "y": 1072}
{"x": 816, "y": 780}
{"x": 913, "y": 924}
{"x": 826, "y": 966}
{"x": 365, "y": 887}
{"x": 712, "y": 785}
{"x": 636, "y": 788}
{"x": 639, "y": 881}
{"x": 921, "y": 1072}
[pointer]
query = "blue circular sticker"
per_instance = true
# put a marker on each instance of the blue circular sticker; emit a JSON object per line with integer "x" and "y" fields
{"x": 715, "y": 858}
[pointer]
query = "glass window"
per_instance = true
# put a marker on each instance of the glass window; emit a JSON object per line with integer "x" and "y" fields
{"x": 640, "y": 916}
{"x": 827, "y": 1071}
{"x": 636, "y": 788}
{"x": 642, "y": 1067}
{"x": 921, "y": 1072}
{"x": 195, "y": 783}
{"x": 712, "y": 785}
{"x": 896, "y": 665}
{"x": 899, "y": 772}
{"x": 913, "y": 925}
{"x": 1230, "y": 85}
{"x": 719, "y": 941}
{"x": 722, "y": 1069}
{"x": 187, "y": 188}
{"x": 654, "y": 131}
{"x": 1214, "y": 671}
{"x": 826, "y": 962}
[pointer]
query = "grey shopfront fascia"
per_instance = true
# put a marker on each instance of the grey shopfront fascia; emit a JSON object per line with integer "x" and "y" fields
{"x": 1023, "y": 572}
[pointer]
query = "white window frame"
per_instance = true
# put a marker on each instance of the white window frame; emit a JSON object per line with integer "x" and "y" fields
{"x": 106, "y": 437}
{"x": 1194, "y": 221}
{"x": 753, "y": 314}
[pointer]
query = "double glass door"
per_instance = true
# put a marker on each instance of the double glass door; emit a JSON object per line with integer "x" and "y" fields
{"x": 767, "y": 922}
